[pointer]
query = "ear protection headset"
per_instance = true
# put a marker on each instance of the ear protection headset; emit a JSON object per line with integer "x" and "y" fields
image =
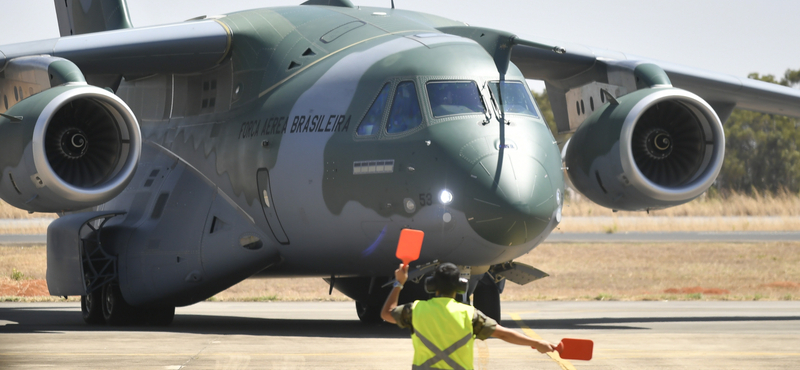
{"x": 460, "y": 286}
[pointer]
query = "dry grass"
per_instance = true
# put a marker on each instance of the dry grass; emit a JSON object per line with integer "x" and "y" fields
{"x": 656, "y": 271}
{"x": 732, "y": 212}
{"x": 31, "y": 262}
{"x": 9, "y": 212}
{"x": 616, "y": 223}
{"x": 300, "y": 289}
{"x": 663, "y": 271}
{"x": 782, "y": 204}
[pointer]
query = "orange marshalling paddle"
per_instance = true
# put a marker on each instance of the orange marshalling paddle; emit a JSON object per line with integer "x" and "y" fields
{"x": 575, "y": 349}
{"x": 409, "y": 245}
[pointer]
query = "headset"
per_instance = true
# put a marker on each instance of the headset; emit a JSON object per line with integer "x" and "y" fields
{"x": 431, "y": 288}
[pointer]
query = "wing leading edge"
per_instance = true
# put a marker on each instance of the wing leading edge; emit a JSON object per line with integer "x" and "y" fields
{"x": 176, "y": 48}
{"x": 572, "y": 71}
{"x": 581, "y": 65}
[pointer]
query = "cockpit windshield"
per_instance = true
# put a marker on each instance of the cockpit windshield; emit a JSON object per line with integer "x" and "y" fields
{"x": 454, "y": 97}
{"x": 516, "y": 98}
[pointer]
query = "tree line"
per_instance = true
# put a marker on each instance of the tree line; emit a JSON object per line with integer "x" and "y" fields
{"x": 761, "y": 150}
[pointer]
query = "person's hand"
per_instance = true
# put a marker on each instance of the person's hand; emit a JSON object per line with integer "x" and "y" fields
{"x": 544, "y": 346}
{"x": 401, "y": 274}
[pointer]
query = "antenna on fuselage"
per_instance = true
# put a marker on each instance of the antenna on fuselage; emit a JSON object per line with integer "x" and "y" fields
{"x": 392, "y": 4}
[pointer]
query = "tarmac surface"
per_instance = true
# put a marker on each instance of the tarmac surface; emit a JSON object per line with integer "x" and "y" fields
{"x": 327, "y": 335}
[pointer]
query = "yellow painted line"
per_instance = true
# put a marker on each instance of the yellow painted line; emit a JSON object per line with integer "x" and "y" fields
{"x": 281, "y": 82}
{"x": 564, "y": 364}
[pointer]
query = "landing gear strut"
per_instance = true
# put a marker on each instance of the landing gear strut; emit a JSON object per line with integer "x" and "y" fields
{"x": 486, "y": 297}
{"x": 104, "y": 302}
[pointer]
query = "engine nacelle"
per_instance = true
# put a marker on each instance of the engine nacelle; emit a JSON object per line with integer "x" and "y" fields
{"x": 67, "y": 148}
{"x": 653, "y": 148}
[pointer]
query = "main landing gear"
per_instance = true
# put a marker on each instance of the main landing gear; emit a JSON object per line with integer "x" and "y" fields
{"x": 106, "y": 305}
{"x": 104, "y": 302}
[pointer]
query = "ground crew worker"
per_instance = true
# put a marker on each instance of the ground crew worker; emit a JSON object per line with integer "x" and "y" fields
{"x": 443, "y": 330}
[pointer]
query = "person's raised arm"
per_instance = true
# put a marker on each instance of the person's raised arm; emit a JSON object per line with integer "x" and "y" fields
{"x": 513, "y": 337}
{"x": 401, "y": 274}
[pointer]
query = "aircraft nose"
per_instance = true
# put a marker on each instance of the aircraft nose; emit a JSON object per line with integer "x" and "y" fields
{"x": 512, "y": 198}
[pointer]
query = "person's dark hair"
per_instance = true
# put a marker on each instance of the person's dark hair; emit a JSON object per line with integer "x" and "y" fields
{"x": 446, "y": 278}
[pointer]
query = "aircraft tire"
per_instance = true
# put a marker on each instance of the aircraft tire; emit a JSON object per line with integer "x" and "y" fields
{"x": 160, "y": 316}
{"x": 92, "y": 308}
{"x": 115, "y": 310}
{"x": 368, "y": 314}
{"x": 486, "y": 298}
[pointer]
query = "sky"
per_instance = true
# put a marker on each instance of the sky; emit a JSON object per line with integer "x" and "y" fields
{"x": 729, "y": 36}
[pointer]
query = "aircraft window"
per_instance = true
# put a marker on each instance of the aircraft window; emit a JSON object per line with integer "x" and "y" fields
{"x": 369, "y": 125}
{"x": 449, "y": 98}
{"x": 405, "y": 113}
{"x": 516, "y": 98}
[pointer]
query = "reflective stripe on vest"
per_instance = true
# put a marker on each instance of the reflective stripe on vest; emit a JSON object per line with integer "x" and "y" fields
{"x": 443, "y": 335}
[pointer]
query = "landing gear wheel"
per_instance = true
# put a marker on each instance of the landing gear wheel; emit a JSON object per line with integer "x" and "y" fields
{"x": 486, "y": 297}
{"x": 160, "y": 316}
{"x": 115, "y": 310}
{"x": 368, "y": 314}
{"x": 91, "y": 308}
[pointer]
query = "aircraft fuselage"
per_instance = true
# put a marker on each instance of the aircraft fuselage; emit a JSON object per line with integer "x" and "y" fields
{"x": 333, "y": 129}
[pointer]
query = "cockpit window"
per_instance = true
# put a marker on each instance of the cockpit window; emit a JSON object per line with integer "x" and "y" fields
{"x": 448, "y": 98}
{"x": 516, "y": 98}
{"x": 405, "y": 113}
{"x": 372, "y": 121}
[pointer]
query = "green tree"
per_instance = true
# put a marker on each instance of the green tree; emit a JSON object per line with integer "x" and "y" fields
{"x": 547, "y": 111}
{"x": 761, "y": 150}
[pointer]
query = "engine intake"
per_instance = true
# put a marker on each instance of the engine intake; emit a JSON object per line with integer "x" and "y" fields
{"x": 657, "y": 148}
{"x": 79, "y": 148}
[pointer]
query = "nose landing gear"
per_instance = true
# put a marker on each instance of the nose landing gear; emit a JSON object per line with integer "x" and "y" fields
{"x": 486, "y": 296}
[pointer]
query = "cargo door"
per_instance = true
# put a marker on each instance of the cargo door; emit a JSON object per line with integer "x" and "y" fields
{"x": 267, "y": 204}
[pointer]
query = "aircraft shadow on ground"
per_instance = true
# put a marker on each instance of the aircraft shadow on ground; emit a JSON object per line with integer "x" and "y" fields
{"x": 59, "y": 319}
{"x": 67, "y": 319}
{"x": 616, "y": 323}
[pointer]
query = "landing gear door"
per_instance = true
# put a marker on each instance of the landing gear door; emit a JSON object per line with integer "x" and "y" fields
{"x": 265, "y": 195}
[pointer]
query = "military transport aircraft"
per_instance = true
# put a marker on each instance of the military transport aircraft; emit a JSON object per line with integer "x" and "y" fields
{"x": 300, "y": 141}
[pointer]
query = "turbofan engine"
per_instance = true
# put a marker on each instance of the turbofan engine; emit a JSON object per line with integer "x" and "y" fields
{"x": 67, "y": 148}
{"x": 650, "y": 149}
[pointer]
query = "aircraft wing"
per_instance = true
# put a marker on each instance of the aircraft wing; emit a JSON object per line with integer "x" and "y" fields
{"x": 176, "y": 48}
{"x": 580, "y": 65}
{"x": 574, "y": 72}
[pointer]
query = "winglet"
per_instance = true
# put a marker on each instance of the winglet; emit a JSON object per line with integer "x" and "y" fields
{"x": 79, "y": 17}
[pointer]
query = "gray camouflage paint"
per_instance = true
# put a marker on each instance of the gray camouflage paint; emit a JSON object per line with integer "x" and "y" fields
{"x": 266, "y": 102}
{"x": 338, "y": 223}
{"x": 288, "y": 99}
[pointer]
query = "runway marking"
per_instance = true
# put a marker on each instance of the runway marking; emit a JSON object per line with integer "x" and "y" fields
{"x": 564, "y": 364}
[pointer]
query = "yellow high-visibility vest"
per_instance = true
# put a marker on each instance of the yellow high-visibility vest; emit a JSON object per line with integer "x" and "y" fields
{"x": 443, "y": 334}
